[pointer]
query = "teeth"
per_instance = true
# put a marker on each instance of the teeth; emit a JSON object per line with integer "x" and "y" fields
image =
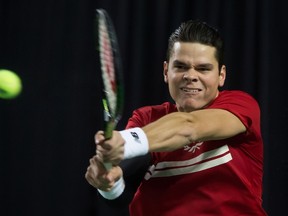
{"x": 190, "y": 90}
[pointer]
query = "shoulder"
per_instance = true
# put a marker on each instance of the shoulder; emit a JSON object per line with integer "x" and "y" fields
{"x": 241, "y": 104}
{"x": 235, "y": 93}
{"x": 156, "y": 111}
{"x": 165, "y": 107}
{"x": 147, "y": 114}
{"x": 235, "y": 97}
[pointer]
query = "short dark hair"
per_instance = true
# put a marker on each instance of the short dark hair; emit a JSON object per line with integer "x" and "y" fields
{"x": 200, "y": 32}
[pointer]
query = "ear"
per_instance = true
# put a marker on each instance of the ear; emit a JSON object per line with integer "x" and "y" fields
{"x": 222, "y": 76}
{"x": 165, "y": 71}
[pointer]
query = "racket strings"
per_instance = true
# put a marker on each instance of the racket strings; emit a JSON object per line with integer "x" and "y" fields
{"x": 107, "y": 66}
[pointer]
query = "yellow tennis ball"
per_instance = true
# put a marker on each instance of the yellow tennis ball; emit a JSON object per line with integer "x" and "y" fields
{"x": 10, "y": 84}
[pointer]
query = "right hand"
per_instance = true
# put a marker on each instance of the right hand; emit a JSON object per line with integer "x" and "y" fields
{"x": 109, "y": 150}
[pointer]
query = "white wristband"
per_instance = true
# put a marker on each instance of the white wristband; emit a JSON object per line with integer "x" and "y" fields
{"x": 136, "y": 142}
{"x": 116, "y": 190}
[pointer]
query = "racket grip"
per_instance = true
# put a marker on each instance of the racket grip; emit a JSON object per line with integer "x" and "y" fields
{"x": 108, "y": 166}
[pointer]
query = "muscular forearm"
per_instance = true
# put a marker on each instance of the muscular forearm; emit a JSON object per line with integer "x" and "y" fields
{"x": 175, "y": 130}
{"x": 170, "y": 132}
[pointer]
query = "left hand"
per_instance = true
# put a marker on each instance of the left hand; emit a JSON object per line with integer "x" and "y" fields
{"x": 99, "y": 177}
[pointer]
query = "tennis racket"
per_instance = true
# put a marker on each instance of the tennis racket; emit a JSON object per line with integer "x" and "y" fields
{"x": 111, "y": 70}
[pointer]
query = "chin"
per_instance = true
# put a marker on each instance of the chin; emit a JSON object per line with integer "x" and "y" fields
{"x": 188, "y": 108}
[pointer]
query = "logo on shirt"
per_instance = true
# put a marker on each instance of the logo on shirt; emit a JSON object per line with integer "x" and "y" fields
{"x": 193, "y": 148}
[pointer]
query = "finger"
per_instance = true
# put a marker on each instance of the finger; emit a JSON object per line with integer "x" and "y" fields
{"x": 102, "y": 153}
{"x": 100, "y": 148}
{"x": 104, "y": 144}
{"x": 91, "y": 161}
{"x": 104, "y": 188}
{"x": 99, "y": 137}
{"x": 99, "y": 156}
{"x": 115, "y": 174}
{"x": 101, "y": 182}
{"x": 86, "y": 175}
{"x": 110, "y": 177}
{"x": 97, "y": 182}
{"x": 94, "y": 159}
{"x": 89, "y": 173}
{"x": 89, "y": 178}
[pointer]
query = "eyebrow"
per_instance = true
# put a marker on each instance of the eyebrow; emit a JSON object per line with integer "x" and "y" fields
{"x": 206, "y": 65}
{"x": 180, "y": 62}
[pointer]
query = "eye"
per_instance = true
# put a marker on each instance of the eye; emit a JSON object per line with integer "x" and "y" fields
{"x": 204, "y": 68}
{"x": 181, "y": 67}
{"x": 201, "y": 69}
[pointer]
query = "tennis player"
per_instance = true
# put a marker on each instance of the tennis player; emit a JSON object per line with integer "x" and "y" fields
{"x": 202, "y": 155}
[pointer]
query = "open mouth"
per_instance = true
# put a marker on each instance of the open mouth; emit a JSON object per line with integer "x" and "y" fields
{"x": 191, "y": 90}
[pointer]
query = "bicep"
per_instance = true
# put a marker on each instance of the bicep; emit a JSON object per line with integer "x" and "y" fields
{"x": 215, "y": 124}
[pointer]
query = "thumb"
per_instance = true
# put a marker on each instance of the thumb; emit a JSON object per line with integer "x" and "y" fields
{"x": 115, "y": 174}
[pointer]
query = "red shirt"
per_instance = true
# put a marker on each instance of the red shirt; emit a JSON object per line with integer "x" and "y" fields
{"x": 221, "y": 177}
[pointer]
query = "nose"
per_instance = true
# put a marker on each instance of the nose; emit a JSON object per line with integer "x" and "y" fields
{"x": 191, "y": 75}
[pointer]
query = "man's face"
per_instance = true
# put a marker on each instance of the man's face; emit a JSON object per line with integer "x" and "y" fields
{"x": 193, "y": 75}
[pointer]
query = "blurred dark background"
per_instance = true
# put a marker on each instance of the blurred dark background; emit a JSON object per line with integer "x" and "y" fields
{"x": 46, "y": 134}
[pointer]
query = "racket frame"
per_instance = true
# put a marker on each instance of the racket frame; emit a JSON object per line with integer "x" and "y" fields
{"x": 112, "y": 80}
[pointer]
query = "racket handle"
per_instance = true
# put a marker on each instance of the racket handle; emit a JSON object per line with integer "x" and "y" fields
{"x": 108, "y": 166}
